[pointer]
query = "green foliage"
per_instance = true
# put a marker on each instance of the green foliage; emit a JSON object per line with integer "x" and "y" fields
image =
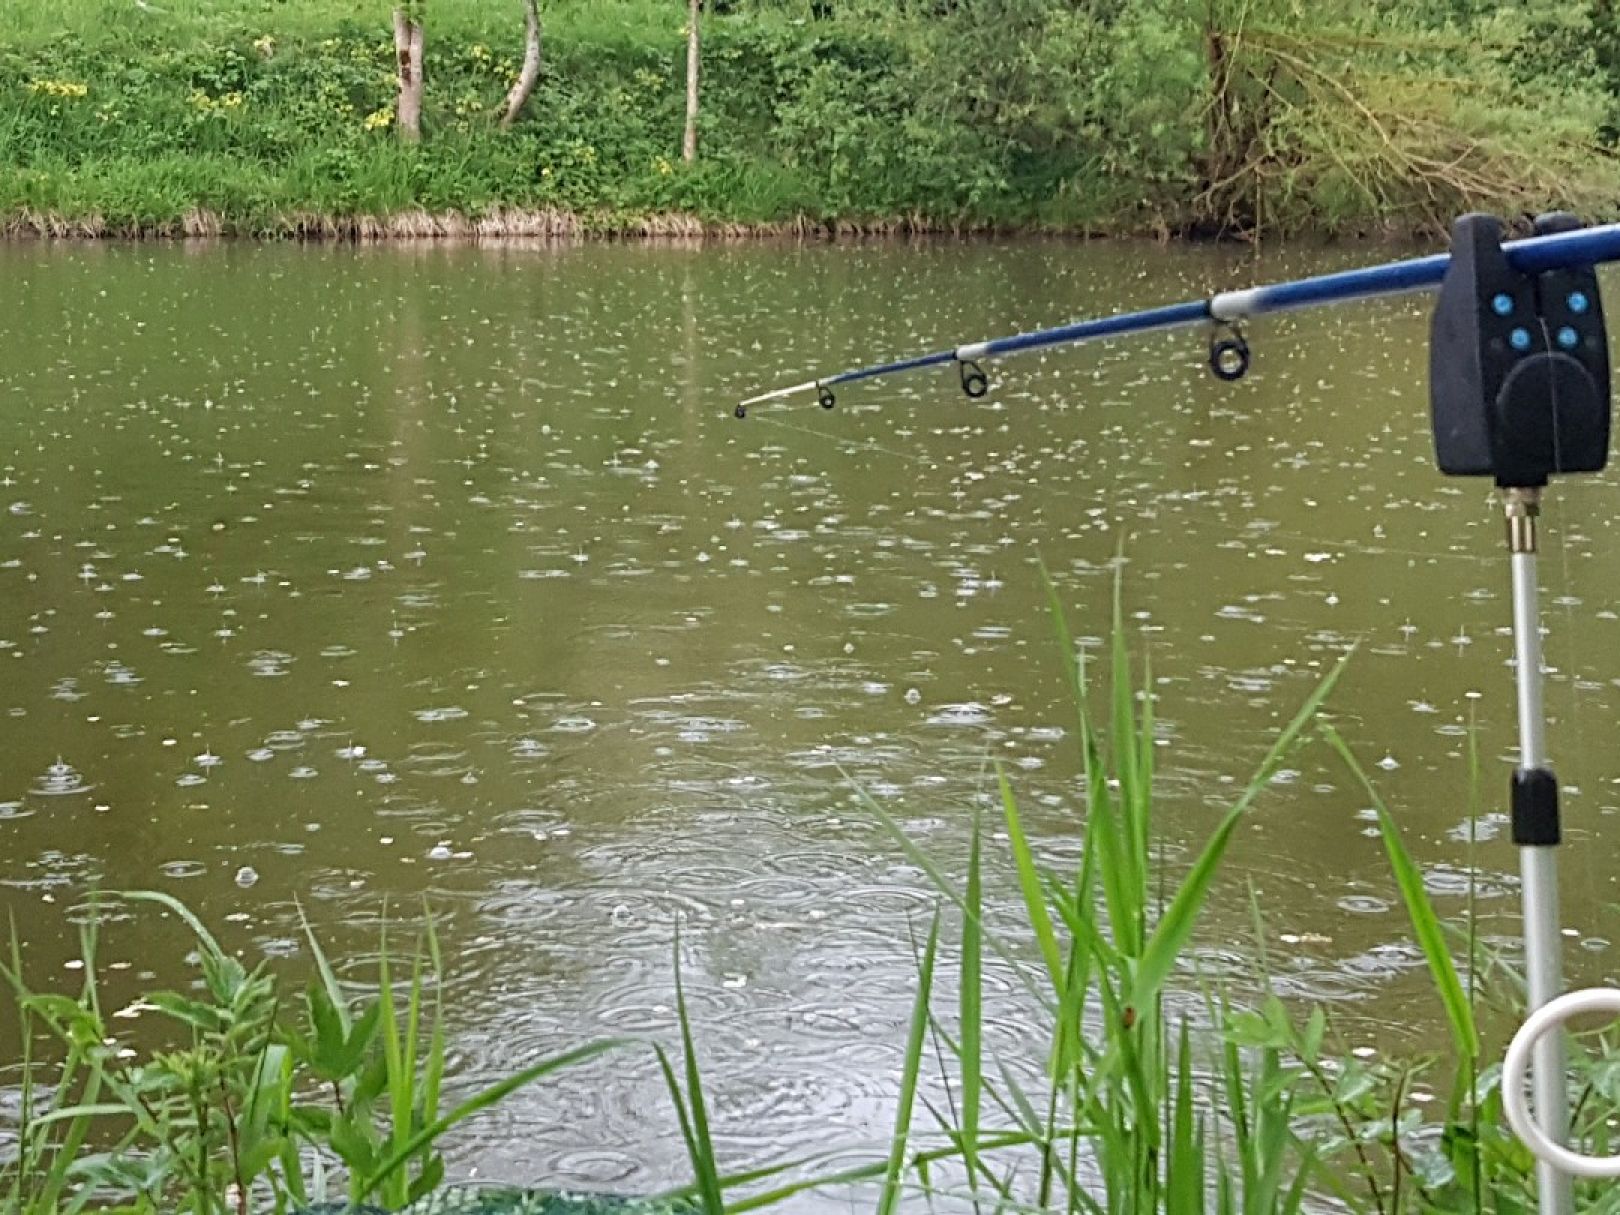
{"x": 1230, "y": 115}
{"x": 263, "y": 1098}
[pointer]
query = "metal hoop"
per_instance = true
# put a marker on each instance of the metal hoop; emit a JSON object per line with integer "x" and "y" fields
{"x": 974, "y": 382}
{"x": 1515, "y": 1067}
{"x": 1229, "y": 355}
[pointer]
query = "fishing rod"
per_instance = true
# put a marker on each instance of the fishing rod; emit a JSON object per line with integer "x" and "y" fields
{"x": 1519, "y": 391}
{"x": 1229, "y": 356}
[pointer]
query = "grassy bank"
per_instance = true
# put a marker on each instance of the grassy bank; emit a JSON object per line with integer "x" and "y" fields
{"x": 255, "y": 118}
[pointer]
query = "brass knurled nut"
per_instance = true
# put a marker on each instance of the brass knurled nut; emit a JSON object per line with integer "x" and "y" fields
{"x": 1521, "y": 507}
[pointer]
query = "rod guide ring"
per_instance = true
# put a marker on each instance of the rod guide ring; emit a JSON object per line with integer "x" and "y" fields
{"x": 1229, "y": 355}
{"x": 974, "y": 382}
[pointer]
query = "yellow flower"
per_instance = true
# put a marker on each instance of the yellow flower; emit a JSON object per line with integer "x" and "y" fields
{"x": 378, "y": 119}
{"x": 479, "y": 51}
{"x": 663, "y": 166}
{"x": 214, "y": 105}
{"x": 265, "y": 45}
{"x": 58, "y": 88}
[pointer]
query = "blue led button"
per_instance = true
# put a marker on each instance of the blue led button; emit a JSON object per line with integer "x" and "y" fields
{"x": 1519, "y": 339}
{"x": 1568, "y": 338}
{"x": 1502, "y": 304}
{"x": 1578, "y": 303}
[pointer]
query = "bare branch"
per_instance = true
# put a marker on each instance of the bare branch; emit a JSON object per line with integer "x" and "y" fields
{"x": 524, "y": 85}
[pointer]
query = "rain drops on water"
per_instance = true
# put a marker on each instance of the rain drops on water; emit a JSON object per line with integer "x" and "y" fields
{"x": 59, "y": 780}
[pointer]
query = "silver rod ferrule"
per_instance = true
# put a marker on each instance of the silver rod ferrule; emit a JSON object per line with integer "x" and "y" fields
{"x": 1527, "y": 659}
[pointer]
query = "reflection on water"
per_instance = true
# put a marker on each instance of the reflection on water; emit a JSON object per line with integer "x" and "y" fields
{"x": 359, "y": 577}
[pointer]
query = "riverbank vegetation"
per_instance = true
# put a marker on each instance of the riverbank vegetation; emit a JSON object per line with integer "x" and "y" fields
{"x": 1160, "y": 1088}
{"x": 121, "y": 117}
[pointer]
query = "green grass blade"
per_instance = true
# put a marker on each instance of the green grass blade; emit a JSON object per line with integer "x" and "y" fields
{"x": 1029, "y": 883}
{"x": 1146, "y": 743}
{"x": 1174, "y": 929}
{"x": 323, "y": 967}
{"x": 1121, "y": 895}
{"x": 1132, "y": 802}
{"x": 399, "y": 1105}
{"x": 1184, "y": 1187}
{"x": 70, "y": 1112}
{"x": 1074, "y": 670}
{"x": 683, "y": 1117}
{"x": 1294, "y": 1200}
{"x": 703, "y": 1161}
{"x": 943, "y": 884}
{"x": 1426, "y": 928}
{"x": 890, "y": 1198}
{"x": 433, "y": 1072}
{"x": 481, "y": 1101}
{"x": 971, "y": 1003}
{"x": 22, "y": 1166}
{"x": 184, "y": 913}
{"x": 995, "y": 1141}
{"x": 65, "y": 1154}
{"x": 413, "y": 1026}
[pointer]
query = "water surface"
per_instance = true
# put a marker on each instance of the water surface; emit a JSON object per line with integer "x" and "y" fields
{"x": 353, "y": 578}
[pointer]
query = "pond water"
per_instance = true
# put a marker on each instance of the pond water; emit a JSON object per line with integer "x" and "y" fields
{"x": 346, "y": 579}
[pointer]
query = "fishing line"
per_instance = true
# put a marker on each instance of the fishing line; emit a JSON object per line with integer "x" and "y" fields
{"x": 1575, "y": 761}
{"x": 1360, "y": 548}
{"x": 857, "y": 446}
{"x": 848, "y": 446}
{"x": 1573, "y": 757}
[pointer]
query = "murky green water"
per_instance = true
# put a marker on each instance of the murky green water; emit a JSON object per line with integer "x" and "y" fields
{"x": 353, "y": 576}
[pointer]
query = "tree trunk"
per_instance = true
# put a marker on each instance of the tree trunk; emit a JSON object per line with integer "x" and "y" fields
{"x": 689, "y": 141}
{"x": 530, "y": 75}
{"x": 408, "y": 50}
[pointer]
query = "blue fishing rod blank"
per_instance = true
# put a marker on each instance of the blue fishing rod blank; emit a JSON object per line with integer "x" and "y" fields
{"x": 1229, "y": 356}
